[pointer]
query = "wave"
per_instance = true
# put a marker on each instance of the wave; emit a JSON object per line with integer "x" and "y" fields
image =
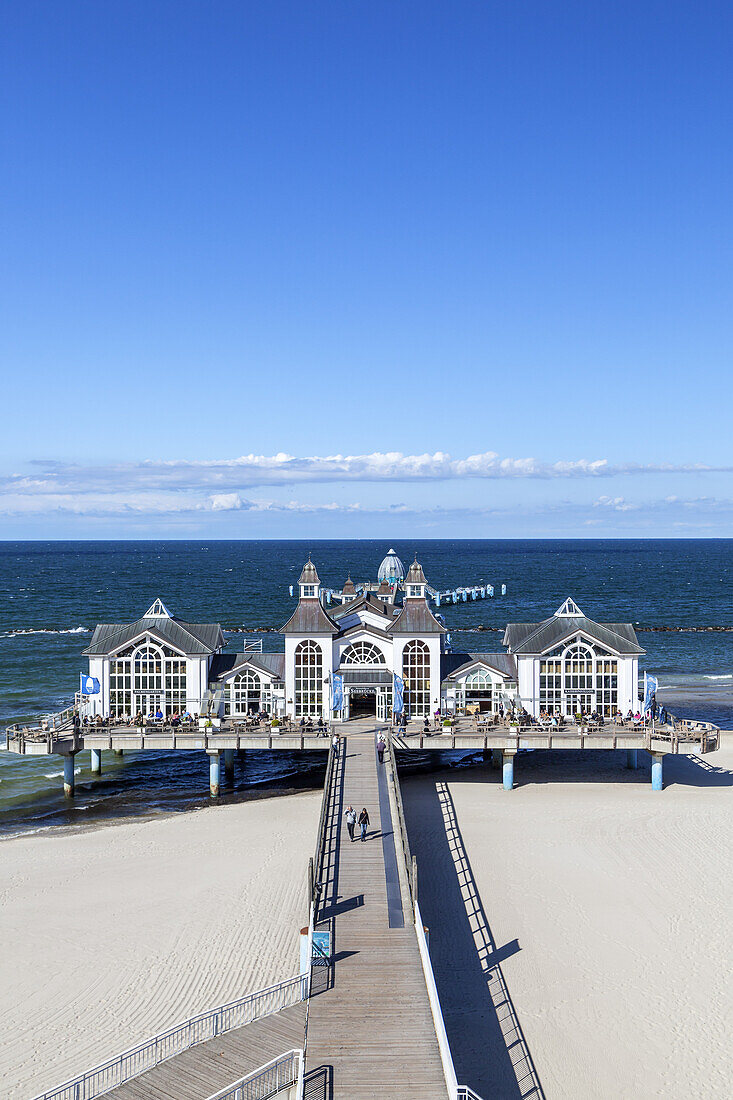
{"x": 40, "y": 630}
{"x": 726, "y": 676}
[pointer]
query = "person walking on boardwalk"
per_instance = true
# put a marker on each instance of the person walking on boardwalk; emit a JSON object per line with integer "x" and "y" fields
{"x": 364, "y": 822}
{"x": 350, "y": 816}
{"x": 381, "y": 746}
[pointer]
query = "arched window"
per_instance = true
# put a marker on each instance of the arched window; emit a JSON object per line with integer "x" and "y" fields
{"x": 479, "y": 680}
{"x": 244, "y": 692}
{"x": 579, "y": 669}
{"x": 416, "y": 674}
{"x": 308, "y": 679}
{"x": 362, "y": 653}
{"x": 148, "y": 668}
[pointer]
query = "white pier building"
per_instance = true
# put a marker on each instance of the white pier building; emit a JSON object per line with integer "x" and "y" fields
{"x": 359, "y": 657}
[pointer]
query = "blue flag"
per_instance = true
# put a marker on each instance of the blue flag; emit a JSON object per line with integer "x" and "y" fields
{"x": 398, "y": 704}
{"x": 89, "y": 685}
{"x": 337, "y": 692}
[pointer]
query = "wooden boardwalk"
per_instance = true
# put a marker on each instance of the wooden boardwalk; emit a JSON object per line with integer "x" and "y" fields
{"x": 370, "y": 1028}
{"x": 204, "y": 1069}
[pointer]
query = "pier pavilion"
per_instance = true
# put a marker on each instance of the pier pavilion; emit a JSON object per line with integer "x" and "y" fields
{"x": 379, "y": 651}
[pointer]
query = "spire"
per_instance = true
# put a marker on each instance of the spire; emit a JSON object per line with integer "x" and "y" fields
{"x": 348, "y": 589}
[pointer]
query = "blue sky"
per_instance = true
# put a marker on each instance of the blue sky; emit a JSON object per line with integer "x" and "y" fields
{"x": 315, "y": 269}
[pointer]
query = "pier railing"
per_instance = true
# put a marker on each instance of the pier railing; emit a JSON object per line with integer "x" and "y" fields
{"x": 174, "y": 1040}
{"x": 410, "y": 860}
{"x": 281, "y": 1073}
{"x": 315, "y": 872}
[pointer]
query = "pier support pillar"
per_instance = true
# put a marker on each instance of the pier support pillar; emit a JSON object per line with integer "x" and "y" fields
{"x": 496, "y": 755}
{"x": 119, "y": 752}
{"x": 214, "y": 773}
{"x": 657, "y": 772}
{"x": 229, "y": 767}
{"x": 96, "y": 757}
{"x": 632, "y": 758}
{"x": 507, "y": 769}
{"x": 69, "y": 776}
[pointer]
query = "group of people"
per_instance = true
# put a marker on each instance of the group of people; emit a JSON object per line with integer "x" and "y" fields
{"x": 306, "y": 725}
{"x": 352, "y": 820}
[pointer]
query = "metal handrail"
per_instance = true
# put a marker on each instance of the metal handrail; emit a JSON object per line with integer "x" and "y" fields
{"x": 268, "y": 1080}
{"x": 174, "y": 1040}
{"x": 321, "y": 834}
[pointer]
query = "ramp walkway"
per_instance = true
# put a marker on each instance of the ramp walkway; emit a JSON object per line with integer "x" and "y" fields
{"x": 206, "y": 1068}
{"x": 370, "y": 1027}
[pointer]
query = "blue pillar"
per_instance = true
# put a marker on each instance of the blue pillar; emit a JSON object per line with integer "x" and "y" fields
{"x": 508, "y": 770}
{"x": 96, "y": 757}
{"x": 229, "y": 767}
{"x": 69, "y": 776}
{"x": 657, "y": 776}
{"x": 214, "y": 773}
{"x": 632, "y": 758}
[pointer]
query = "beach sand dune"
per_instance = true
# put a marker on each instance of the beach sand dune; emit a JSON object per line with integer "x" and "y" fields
{"x": 110, "y": 935}
{"x": 580, "y": 925}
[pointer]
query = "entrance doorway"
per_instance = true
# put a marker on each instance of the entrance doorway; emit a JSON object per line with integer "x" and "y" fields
{"x": 148, "y": 703}
{"x": 580, "y": 702}
{"x": 362, "y": 704}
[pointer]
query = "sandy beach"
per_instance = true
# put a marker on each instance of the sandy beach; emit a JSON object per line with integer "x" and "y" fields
{"x": 112, "y": 934}
{"x": 607, "y": 908}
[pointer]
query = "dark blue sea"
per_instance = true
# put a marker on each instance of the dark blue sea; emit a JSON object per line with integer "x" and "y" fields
{"x": 52, "y": 594}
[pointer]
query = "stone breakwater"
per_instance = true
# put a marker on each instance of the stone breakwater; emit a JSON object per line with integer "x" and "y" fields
{"x": 481, "y": 629}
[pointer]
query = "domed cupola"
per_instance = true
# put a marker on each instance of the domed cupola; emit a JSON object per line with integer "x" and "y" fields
{"x": 391, "y": 569}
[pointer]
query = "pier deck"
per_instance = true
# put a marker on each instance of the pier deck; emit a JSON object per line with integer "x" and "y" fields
{"x": 370, "y": 1031}
{"x": 204, "y": 1069}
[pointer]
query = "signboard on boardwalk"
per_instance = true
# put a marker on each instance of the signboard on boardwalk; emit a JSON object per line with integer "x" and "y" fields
{"x": 321, "y": 948}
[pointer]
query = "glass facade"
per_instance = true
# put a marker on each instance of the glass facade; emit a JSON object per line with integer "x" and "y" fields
{"x": 308, "y": 680}
{"x": 146, "y": 679}
{"x": 579, "y": 678}
{"x": 416, "y": 674}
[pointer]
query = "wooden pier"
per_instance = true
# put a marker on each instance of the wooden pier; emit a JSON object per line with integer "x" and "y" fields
{"x": 370, "y": 1029}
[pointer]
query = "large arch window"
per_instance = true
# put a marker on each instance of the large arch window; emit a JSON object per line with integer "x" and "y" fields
{"x": 147, "y": 677}
{"x": 416, "y": 674}
{"x": 476, "y": 689}
{"x": 580, "y": 678}
{"x": 308, "y": 679}
{"x": 362, "y": 653}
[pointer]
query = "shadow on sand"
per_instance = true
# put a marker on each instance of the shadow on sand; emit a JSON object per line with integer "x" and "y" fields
{"x": 489, "y": 1049}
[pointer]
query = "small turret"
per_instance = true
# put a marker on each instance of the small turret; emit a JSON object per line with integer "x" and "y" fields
{"x": 309, "y": 582}
{"x": 348, "y": 589}
{"x": 415, "y": 582}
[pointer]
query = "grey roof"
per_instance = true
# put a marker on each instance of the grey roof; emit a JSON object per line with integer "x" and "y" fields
{"x": 384, "y": 589}
{"x": 309, "y": 574}
{"x": 367, "y": 602}
{"x": 357, "y": 628}
{"x": 190, "y": 638}
{"x": 416, "y": 618}
{"x": 348, "y": 589}
{"x": 309, "y": 618}
{"x": 224, "y": 664}
{"x": 415, "y": 574}
{"x": 453, "y": 664}
{"x": 372, "y": 676}
{"x": 540, "y": 637}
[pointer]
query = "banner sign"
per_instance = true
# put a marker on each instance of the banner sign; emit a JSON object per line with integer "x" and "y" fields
{"x": 650, "y": 689}
{"x": 399, "y": 694}
{"x": 337, "y": 692}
